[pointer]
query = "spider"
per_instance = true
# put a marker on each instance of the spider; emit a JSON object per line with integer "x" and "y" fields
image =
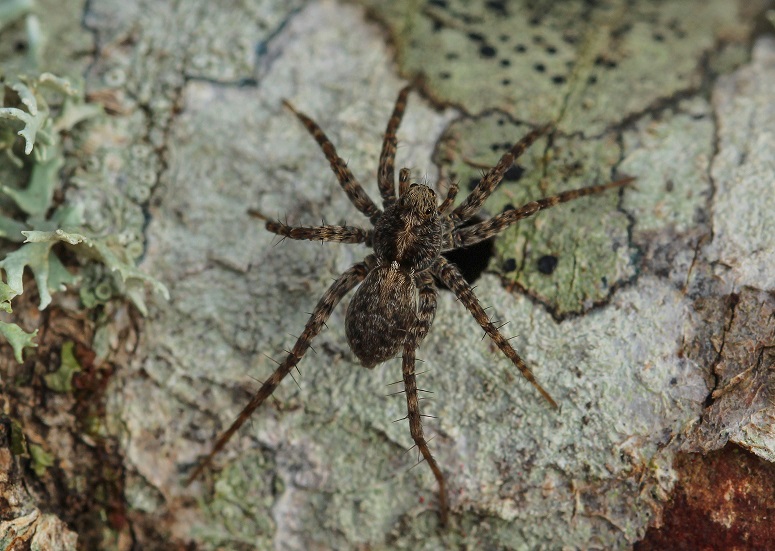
{"x": 395, "y": 304}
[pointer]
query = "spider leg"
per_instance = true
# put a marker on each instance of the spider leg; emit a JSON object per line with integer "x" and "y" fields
{"x": 340, "y": 234}
{"x": 404, "y": 179}
{"x": 349, "y": 184}
{"x": 453, "y": 279}
{"x": 426, "y": 290}
{"x": 344, "y": 284}
{"x": 386, "y": 178}
{"x": 484, "y": 230}
{"x": 425, "y": 313}
{"x": 490, "y": 181}
{"x": 451, "y": 194}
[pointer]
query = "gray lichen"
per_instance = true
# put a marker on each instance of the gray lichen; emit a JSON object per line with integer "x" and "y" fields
{"x": 589, "y": 255}
{"x": 584, "y": 64}
{"x": 594, "y": 474}
{"x": 198, "y": 131}
{"x": 41, "y": 126}
{"x": 742, "y": 256}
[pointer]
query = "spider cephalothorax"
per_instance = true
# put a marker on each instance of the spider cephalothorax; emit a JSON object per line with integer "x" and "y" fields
{"x": 393, "y": 309}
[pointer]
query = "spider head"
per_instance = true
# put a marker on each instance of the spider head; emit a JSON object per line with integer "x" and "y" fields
{"x": 418, "y": 204}
{"x": 409, "y": 231}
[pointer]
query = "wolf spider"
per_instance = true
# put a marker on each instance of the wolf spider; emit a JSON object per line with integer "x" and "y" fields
{"x": 393, "y": 309}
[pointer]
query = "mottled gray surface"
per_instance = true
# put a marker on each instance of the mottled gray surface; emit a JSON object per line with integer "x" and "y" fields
{"x": 742, "y": 257}
{"x": 327, "y": 468}
{"x": 199, "y": 128}
{"x": 744, "y": 231}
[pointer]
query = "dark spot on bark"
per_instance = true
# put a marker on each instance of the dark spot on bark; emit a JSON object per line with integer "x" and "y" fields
{"x": 621, "y": 30}
{"x": 509, "y": 265}
{"x": 498, "y": 7}
{"x": 547, "y": 264}
{"x": 601, "y": 61}
{"x": 487, "y": 51}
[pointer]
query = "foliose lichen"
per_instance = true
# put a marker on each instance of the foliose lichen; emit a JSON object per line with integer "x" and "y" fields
{"x": 36, "y": 111}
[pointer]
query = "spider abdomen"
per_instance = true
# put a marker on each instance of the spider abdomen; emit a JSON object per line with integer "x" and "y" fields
{"x": 381, "y": 312}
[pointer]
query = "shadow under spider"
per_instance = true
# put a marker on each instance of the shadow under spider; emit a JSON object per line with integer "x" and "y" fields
{"x": 395, "y": 304}
{"x": 473, "y": 260}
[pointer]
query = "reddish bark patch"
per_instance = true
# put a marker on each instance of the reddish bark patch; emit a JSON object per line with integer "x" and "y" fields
{"x": 724, "y": 500}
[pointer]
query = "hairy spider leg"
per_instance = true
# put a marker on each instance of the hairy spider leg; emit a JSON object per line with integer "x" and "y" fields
{"x": 349, "y": 184}
{"x": 404, "y": 180}
{"x": 343, "y": 285}
{"x": 449, "y": 274}
{"x": 471, "y": 204}
{"x": 463, "y": 237}
{"x": 426, "y": 311}
{"x": 450, "y": 199}
{"x": 337, "y": 234}
{"x": 386, "y": 179}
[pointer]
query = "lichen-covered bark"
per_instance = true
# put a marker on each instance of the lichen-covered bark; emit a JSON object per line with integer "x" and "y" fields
{"x": 637, "y": 324}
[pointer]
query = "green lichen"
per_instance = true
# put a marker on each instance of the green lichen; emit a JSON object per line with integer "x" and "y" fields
{"x": 61, "y": 380}
{"x": 127, "y": 278}
{"x": 49, "y": 273}
{"x": 41, "y": 459}
{"x": 18, "y": 338}
{"x": 243, "y": 510}
{"x": 12, "y": 11}
{"x": 570, "y": 256}
{"x": 28, "y": 114}
{"x": 575, "y": 64}
{"x": 572, "y": 61}
{"x": 18, "y": 443}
